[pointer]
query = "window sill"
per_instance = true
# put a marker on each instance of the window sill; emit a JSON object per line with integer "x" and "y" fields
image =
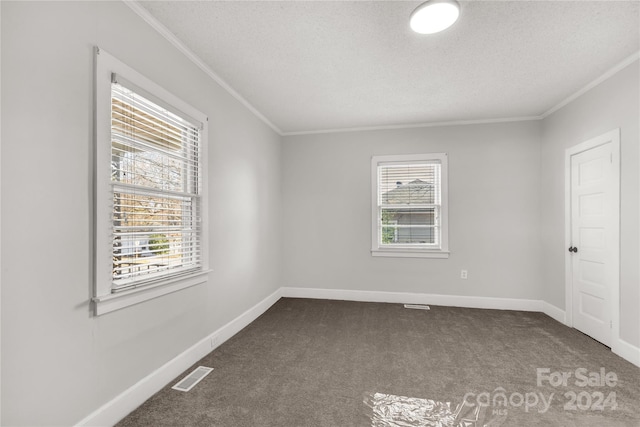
{"x": 405, "y": 253}
{"x": 112, "y": 302}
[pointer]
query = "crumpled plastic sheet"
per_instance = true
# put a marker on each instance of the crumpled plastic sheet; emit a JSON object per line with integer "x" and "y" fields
{"x": 401, "y": 411}
{"x": 388, "y": 410}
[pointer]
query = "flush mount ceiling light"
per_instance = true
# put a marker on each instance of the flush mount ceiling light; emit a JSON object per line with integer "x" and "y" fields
{"x": 434, "y": 16}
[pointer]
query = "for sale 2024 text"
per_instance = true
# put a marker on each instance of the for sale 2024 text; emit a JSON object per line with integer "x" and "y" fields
{"x": 582, "y": 377}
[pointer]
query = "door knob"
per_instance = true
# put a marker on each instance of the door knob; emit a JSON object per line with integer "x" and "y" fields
{"x": 573, "y": 249}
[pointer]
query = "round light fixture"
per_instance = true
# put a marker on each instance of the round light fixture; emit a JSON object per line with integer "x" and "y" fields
{"x": 434, "y": 16}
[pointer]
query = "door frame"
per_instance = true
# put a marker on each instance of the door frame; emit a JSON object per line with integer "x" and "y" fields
{"x": 611, "y": 137}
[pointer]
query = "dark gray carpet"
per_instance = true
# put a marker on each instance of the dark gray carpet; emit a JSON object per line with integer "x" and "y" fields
{"x": 314, "y": 362}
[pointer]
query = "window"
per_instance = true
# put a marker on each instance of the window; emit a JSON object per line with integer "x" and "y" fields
{"x": 409, "y": 206}
{"x": 150, "y": 177}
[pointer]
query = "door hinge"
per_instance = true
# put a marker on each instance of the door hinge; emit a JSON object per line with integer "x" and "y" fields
{"x": 610, "y": 324}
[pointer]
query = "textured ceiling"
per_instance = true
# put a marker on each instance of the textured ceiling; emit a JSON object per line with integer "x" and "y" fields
{"x": 323, "y": 65}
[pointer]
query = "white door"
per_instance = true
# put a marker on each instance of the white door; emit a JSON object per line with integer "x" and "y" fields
{"x": 593, "y": 253}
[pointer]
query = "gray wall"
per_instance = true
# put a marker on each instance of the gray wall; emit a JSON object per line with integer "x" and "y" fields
{"x": 610, "y": 105}
{"x": 494, "y": 220}
{"x": 59, "y": 363}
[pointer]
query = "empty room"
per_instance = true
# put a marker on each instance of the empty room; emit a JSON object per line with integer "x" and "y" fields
{"x": 320, "y": 213}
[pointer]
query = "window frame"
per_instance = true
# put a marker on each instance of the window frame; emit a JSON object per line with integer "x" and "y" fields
{"x": 414, "y": 250}
{"x": 104, "y": 298}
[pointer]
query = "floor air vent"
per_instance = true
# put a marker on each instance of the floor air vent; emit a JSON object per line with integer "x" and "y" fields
{"x": 188, "y": 382}
{"x": 417, "y": 306}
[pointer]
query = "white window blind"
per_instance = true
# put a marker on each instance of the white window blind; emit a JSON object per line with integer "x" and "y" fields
{"x": 409, "y": 205}
{"x": 155, "y": 189}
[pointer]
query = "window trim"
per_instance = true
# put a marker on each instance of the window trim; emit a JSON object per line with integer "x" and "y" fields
{"x": 409, "y": 252}
{"x": 104, "y": 299}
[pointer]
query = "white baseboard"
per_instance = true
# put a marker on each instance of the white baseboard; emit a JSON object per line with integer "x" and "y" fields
{"x": 554, "y": 312}
{"x": 627, "y": 351}
{"x": 619, "y": 346}
{"x": 123, "y": 404}
{"x": 414, "y": 298}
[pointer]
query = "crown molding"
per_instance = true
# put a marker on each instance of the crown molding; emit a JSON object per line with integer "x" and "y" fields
{"x": 416, "y": 125}
{"x": 607, "y": 75}
{"x": 176, "y": 42}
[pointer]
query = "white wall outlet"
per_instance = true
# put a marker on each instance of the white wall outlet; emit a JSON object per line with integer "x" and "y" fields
{"x": 214, "y": 341}
{"x": 463, "y": 274}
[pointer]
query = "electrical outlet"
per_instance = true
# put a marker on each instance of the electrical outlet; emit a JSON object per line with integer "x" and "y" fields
{"x": 463, "y": 274}
{"x": 214, "y": 341}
